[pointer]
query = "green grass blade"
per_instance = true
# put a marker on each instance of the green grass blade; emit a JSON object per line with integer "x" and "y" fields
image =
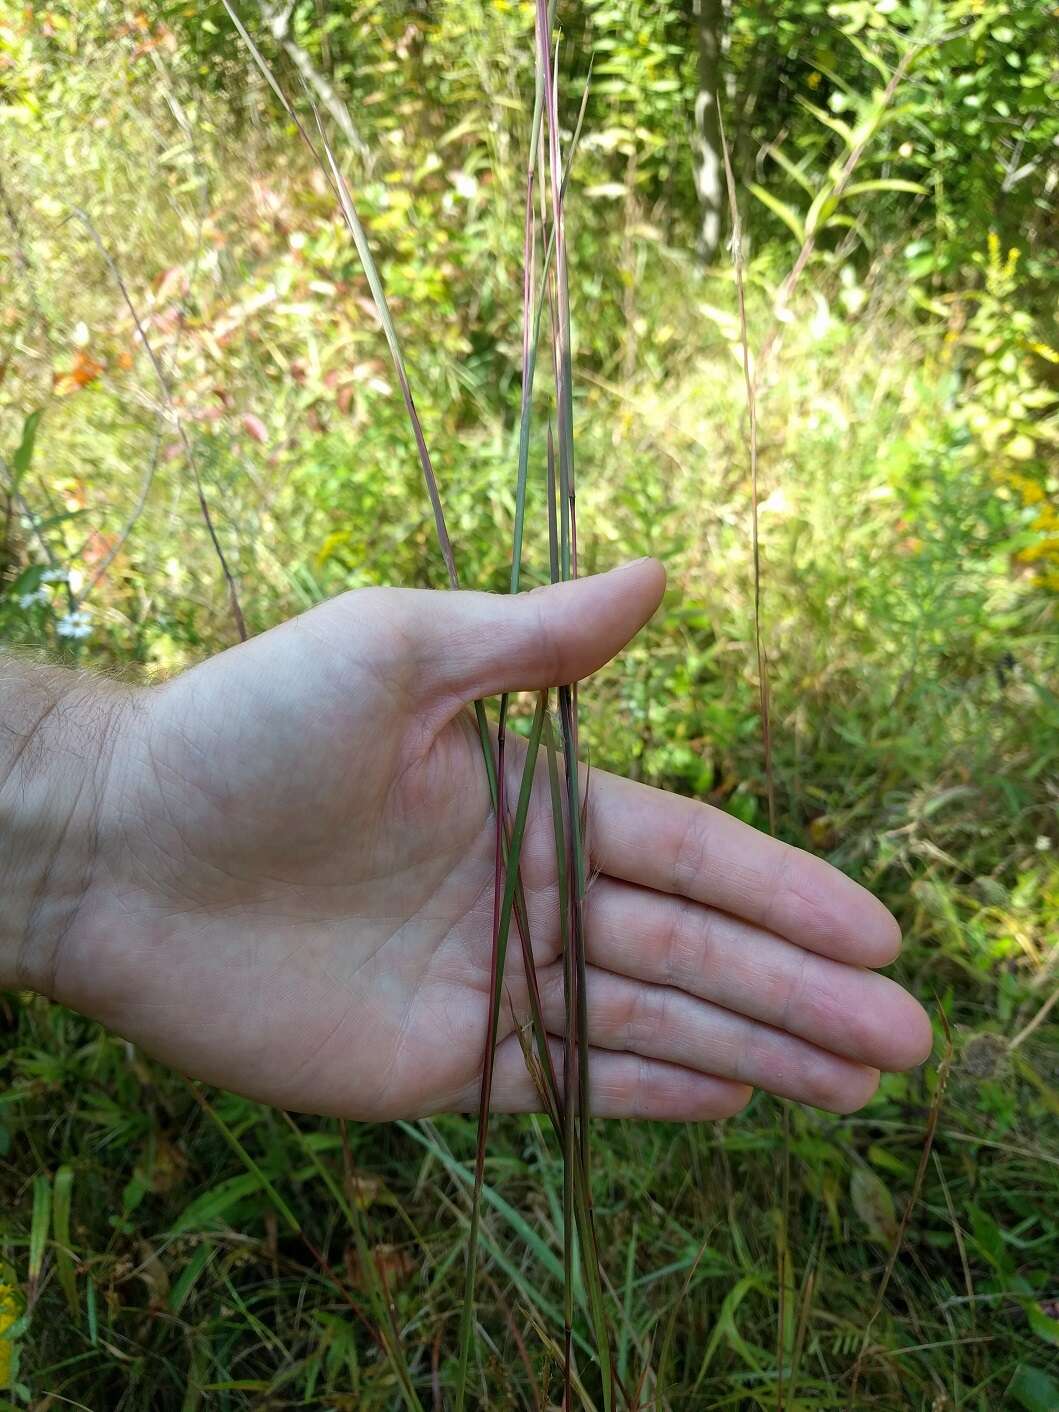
{"x": 491, "y": 1196}
{"x": 378, "y": 1297}
{"x": 20, "y": 461}
{"x": 188, "y": 1277}
{"x": 248, "y": 1162}
{"x": 91, "y": 1313}
{"x": 544, "y": 1053}
{"x": 569, "y": 1127}
{"x": 577, "y": 1114}
{"x": 62, "y": 1194}
{"x": 40, "y": 1225}
{"x": 503, "y": 928}
{"x": 553, "y": 523}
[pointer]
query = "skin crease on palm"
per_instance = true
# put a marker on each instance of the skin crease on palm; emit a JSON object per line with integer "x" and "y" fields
{"x": 292, "y": 887}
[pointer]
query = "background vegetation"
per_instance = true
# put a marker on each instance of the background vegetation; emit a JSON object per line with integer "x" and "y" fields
{"x": 910, "y": 541}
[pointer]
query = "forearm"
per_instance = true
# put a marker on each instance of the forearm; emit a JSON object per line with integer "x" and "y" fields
{"x": 58, "y": 730}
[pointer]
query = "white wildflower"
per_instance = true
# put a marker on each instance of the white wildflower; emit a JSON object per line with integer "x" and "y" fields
{"x": 465, "y": 184}
{"x": 77, "y": 624}
{"x": 31, "y": 600}
{"x": 54, "y": 576}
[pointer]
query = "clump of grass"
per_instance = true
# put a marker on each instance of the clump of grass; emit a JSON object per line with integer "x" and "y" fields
{"x": 569, "y": 1112}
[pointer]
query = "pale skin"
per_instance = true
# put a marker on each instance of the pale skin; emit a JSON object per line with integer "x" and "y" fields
{"x": 275, "y": 873}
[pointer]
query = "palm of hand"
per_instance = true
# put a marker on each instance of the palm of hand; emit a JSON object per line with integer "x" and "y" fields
{"x": 297, "y": 895}
{"x": 311, "y": 878}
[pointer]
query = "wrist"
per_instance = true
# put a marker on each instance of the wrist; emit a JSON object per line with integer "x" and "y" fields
{"x": 59, "y": 734}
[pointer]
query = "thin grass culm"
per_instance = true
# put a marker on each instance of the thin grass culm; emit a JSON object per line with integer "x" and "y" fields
{"x": 568, "y": 1106}
{"x": 571, "y": 1109}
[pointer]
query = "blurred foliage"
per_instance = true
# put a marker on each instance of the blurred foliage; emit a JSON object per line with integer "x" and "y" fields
{"x": 910, "y": 483}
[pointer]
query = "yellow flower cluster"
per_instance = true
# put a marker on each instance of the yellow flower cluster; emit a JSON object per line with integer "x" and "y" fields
{"x": 1043, "y": 553}
{"x": 1000, "y": 273}
{"x": 1046, "y": 523}
{"x": 1029, "y": 491}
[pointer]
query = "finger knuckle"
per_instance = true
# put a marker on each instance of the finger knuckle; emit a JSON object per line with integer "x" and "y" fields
{"x": 690, "y": 859}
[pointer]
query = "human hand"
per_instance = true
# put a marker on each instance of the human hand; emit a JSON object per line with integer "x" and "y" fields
{"x": 291, "y": 893}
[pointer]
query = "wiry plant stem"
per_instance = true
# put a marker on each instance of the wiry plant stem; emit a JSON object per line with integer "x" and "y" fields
{"x": 530, "y": 340}
{"x": 577, "y": 1105}
{"x": 569, "y": 993}
{"x": 569, "y": 1115}
{"x": 750, "y": 383}
{"x": 167, "y": 397}
{"x": 503, "y": 927}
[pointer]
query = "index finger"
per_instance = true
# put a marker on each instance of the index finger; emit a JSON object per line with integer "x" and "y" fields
{"x": 676, "y": 845}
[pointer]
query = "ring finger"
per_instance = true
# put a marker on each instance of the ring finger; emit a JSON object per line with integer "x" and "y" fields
{"x": 660, "y": 1022}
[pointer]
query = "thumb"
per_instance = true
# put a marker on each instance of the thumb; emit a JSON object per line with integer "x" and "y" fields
{"x": 480, "y": 644}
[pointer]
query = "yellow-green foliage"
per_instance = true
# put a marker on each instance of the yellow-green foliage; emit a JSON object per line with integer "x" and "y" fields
{"x": 1012, "y": 410}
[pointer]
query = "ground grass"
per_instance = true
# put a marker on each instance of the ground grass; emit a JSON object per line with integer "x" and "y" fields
{"x": 915, "y": 718}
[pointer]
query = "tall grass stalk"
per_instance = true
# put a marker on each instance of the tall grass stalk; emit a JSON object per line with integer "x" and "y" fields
{"x": 501, "y": 933}
{"x": 577, "y": 1097}
{"x": 532, "y": 308}
{"x": 569, "y": 984}
{"x": 753, "y": 365}
{"x": 751, "y": 386}
{"x": 570, "y": 1111}
{"x": 828, "y": 198}
{"x": 326, "y": 160}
